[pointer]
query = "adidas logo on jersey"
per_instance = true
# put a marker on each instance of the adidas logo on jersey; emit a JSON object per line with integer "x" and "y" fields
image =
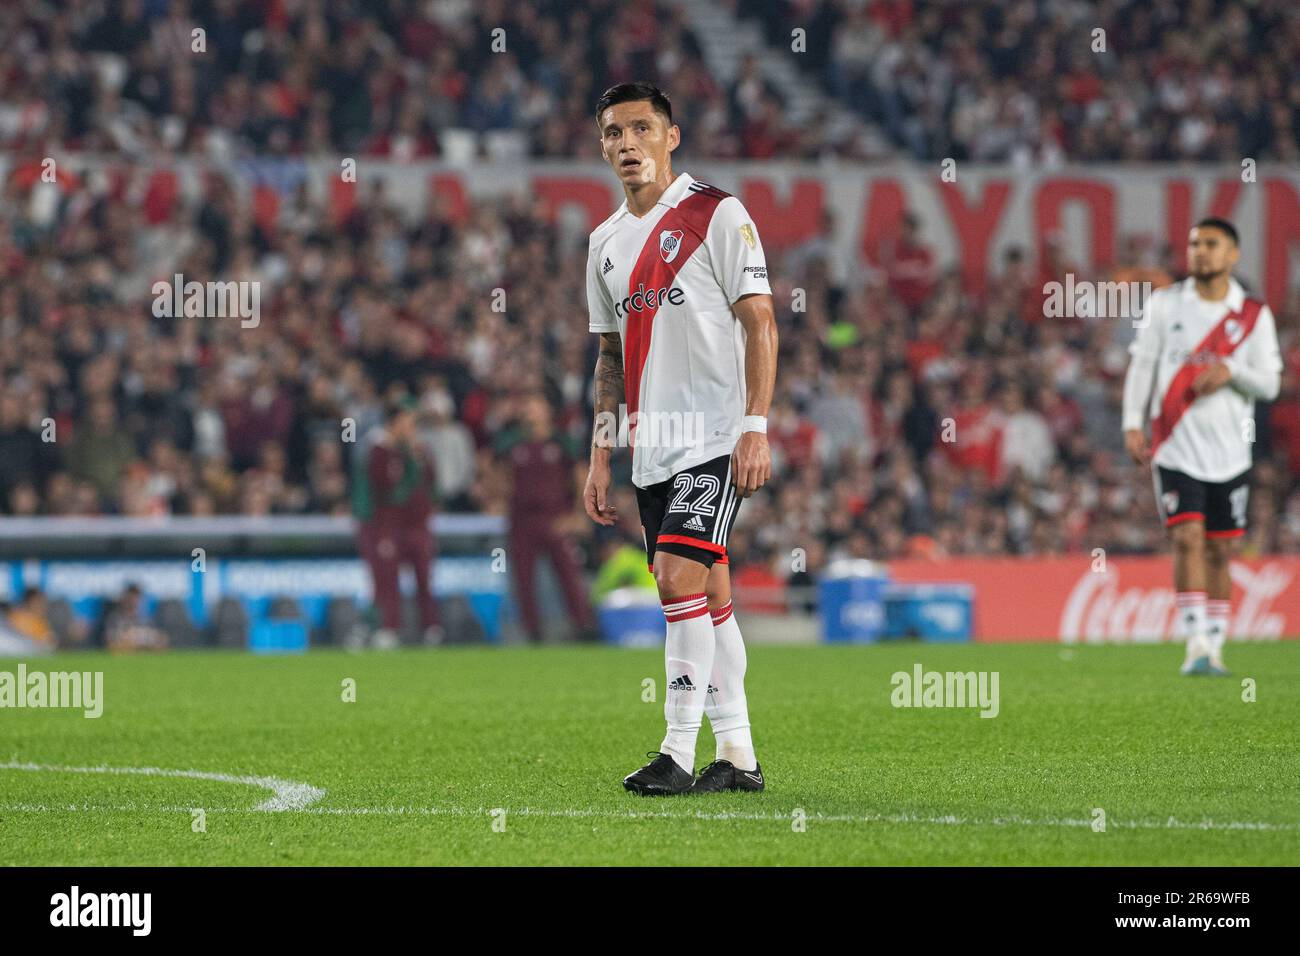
{"x": 708, "y": 189}
{"x": 695, "y": 524}
{"x": 604, "y": 270}
{"x": 681, "y": 683}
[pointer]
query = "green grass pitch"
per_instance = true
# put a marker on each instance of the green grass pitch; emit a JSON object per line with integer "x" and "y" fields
{"x": 1186, "y": 772}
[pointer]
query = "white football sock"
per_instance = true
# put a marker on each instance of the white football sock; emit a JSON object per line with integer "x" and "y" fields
{"x": 1191, "y": 622}
{"x": 725, "y": 704}
{"x": 1217, "y": 612}
{"x": 688, "y": 656}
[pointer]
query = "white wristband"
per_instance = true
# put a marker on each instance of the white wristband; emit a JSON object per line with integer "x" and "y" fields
{"x": 753, "y": 423}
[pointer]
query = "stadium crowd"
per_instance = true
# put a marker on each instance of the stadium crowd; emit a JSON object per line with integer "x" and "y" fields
{"x": 105, "y": 408}
{"x": 157, "y": 416}
{"x": 1044, "y": 82}
{"x": 1024, "y": 81}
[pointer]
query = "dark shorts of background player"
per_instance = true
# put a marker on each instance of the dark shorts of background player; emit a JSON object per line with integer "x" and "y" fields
{"x": 1222, "y": 505}
{"x": 691, "y": 513}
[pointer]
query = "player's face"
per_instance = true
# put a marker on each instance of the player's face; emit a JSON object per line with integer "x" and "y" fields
{"x": 635, "y": 140}
{"x": 1210, "y": 252}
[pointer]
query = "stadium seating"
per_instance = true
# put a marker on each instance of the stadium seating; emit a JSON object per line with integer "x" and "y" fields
{"x": 166, "y": 417}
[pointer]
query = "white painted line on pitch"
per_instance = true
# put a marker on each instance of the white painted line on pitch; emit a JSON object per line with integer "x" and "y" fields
{"x": 299, "y": 797}
{"x": 784, "y": 817}
{"x": 1171, "y": 823}
{"x": 286, "y": 794}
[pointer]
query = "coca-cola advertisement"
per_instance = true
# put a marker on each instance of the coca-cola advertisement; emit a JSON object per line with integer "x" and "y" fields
{"x": 1084, "y": 598}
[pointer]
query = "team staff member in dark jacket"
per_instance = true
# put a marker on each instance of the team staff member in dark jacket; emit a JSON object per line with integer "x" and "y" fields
{"x": 542, "y": 467}
{"x": 397, "y": 498}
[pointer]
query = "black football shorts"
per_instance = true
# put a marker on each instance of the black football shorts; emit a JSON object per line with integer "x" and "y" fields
{"x": 691, "y": 513}
{"x": 1221, "y": 505}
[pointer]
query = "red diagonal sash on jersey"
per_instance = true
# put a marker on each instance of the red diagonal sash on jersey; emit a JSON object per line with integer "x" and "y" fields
{"x": 1180, "y": 396}
{"x": 691, "y": 217}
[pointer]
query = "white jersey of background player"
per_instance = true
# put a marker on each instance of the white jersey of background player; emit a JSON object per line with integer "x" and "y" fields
{"x": 1205, "y": 351}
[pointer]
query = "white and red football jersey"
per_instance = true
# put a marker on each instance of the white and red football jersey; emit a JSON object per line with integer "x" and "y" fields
{"x": 666, "y": 282}
{"x": 1208, "y": 437}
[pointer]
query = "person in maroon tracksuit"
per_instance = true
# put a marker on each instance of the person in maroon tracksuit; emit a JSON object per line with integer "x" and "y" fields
{"x": 402, "y": 489}
{"x": 543, "y": 471}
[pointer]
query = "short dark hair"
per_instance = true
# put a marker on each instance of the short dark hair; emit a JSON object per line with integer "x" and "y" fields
{"x": 1221, "y": 224}
{"x": 634, "y": 92}
{"x": 399, "y": 405}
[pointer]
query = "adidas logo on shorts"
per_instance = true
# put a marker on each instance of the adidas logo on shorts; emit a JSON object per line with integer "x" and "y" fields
{"x": 681, "y": 683}
{"x": 695, "y": 524}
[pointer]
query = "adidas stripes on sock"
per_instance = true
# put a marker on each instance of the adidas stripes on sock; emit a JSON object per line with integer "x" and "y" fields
{"x": 1191, "y": 620}
{"x": 688, "y": 656}
{"x": 1217, "y": 612}
{"x": 725, "y": 703}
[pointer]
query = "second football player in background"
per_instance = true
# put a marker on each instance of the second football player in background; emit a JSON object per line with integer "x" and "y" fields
{"x": 1205, "y": 351}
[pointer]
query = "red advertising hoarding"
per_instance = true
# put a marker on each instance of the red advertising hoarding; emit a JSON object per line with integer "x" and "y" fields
{"x": 1079, "y": 598}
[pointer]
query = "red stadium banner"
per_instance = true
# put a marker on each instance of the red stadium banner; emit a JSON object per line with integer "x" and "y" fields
{"x": 969, "y": 219}
{"x": 1132, "y": 599}
{"x": 970, "y": 215}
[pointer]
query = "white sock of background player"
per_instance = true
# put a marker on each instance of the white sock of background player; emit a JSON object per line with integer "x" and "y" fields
{"x": 1217, "y": 612}
{"x": 725, "y": 705}
{"x": 1191, "y": 622}
{"x": 688, "y": 658}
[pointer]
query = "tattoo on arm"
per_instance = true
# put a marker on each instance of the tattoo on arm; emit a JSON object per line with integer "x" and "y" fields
{"x": 609, "y": 377}
{"x": 609, "y": 373}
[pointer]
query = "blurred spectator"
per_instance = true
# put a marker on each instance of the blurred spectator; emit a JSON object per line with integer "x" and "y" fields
{"x": 99, "y": 452}
{"x": 909, "y": 264}
{"x": 24, "y": 458}
{"x": 451, "y": 444}
{"x": 1026, "y": 441}
{"x": 31, "y": 618}
{"x": 127, "y": 626}
{"x": 972, "y": 436}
